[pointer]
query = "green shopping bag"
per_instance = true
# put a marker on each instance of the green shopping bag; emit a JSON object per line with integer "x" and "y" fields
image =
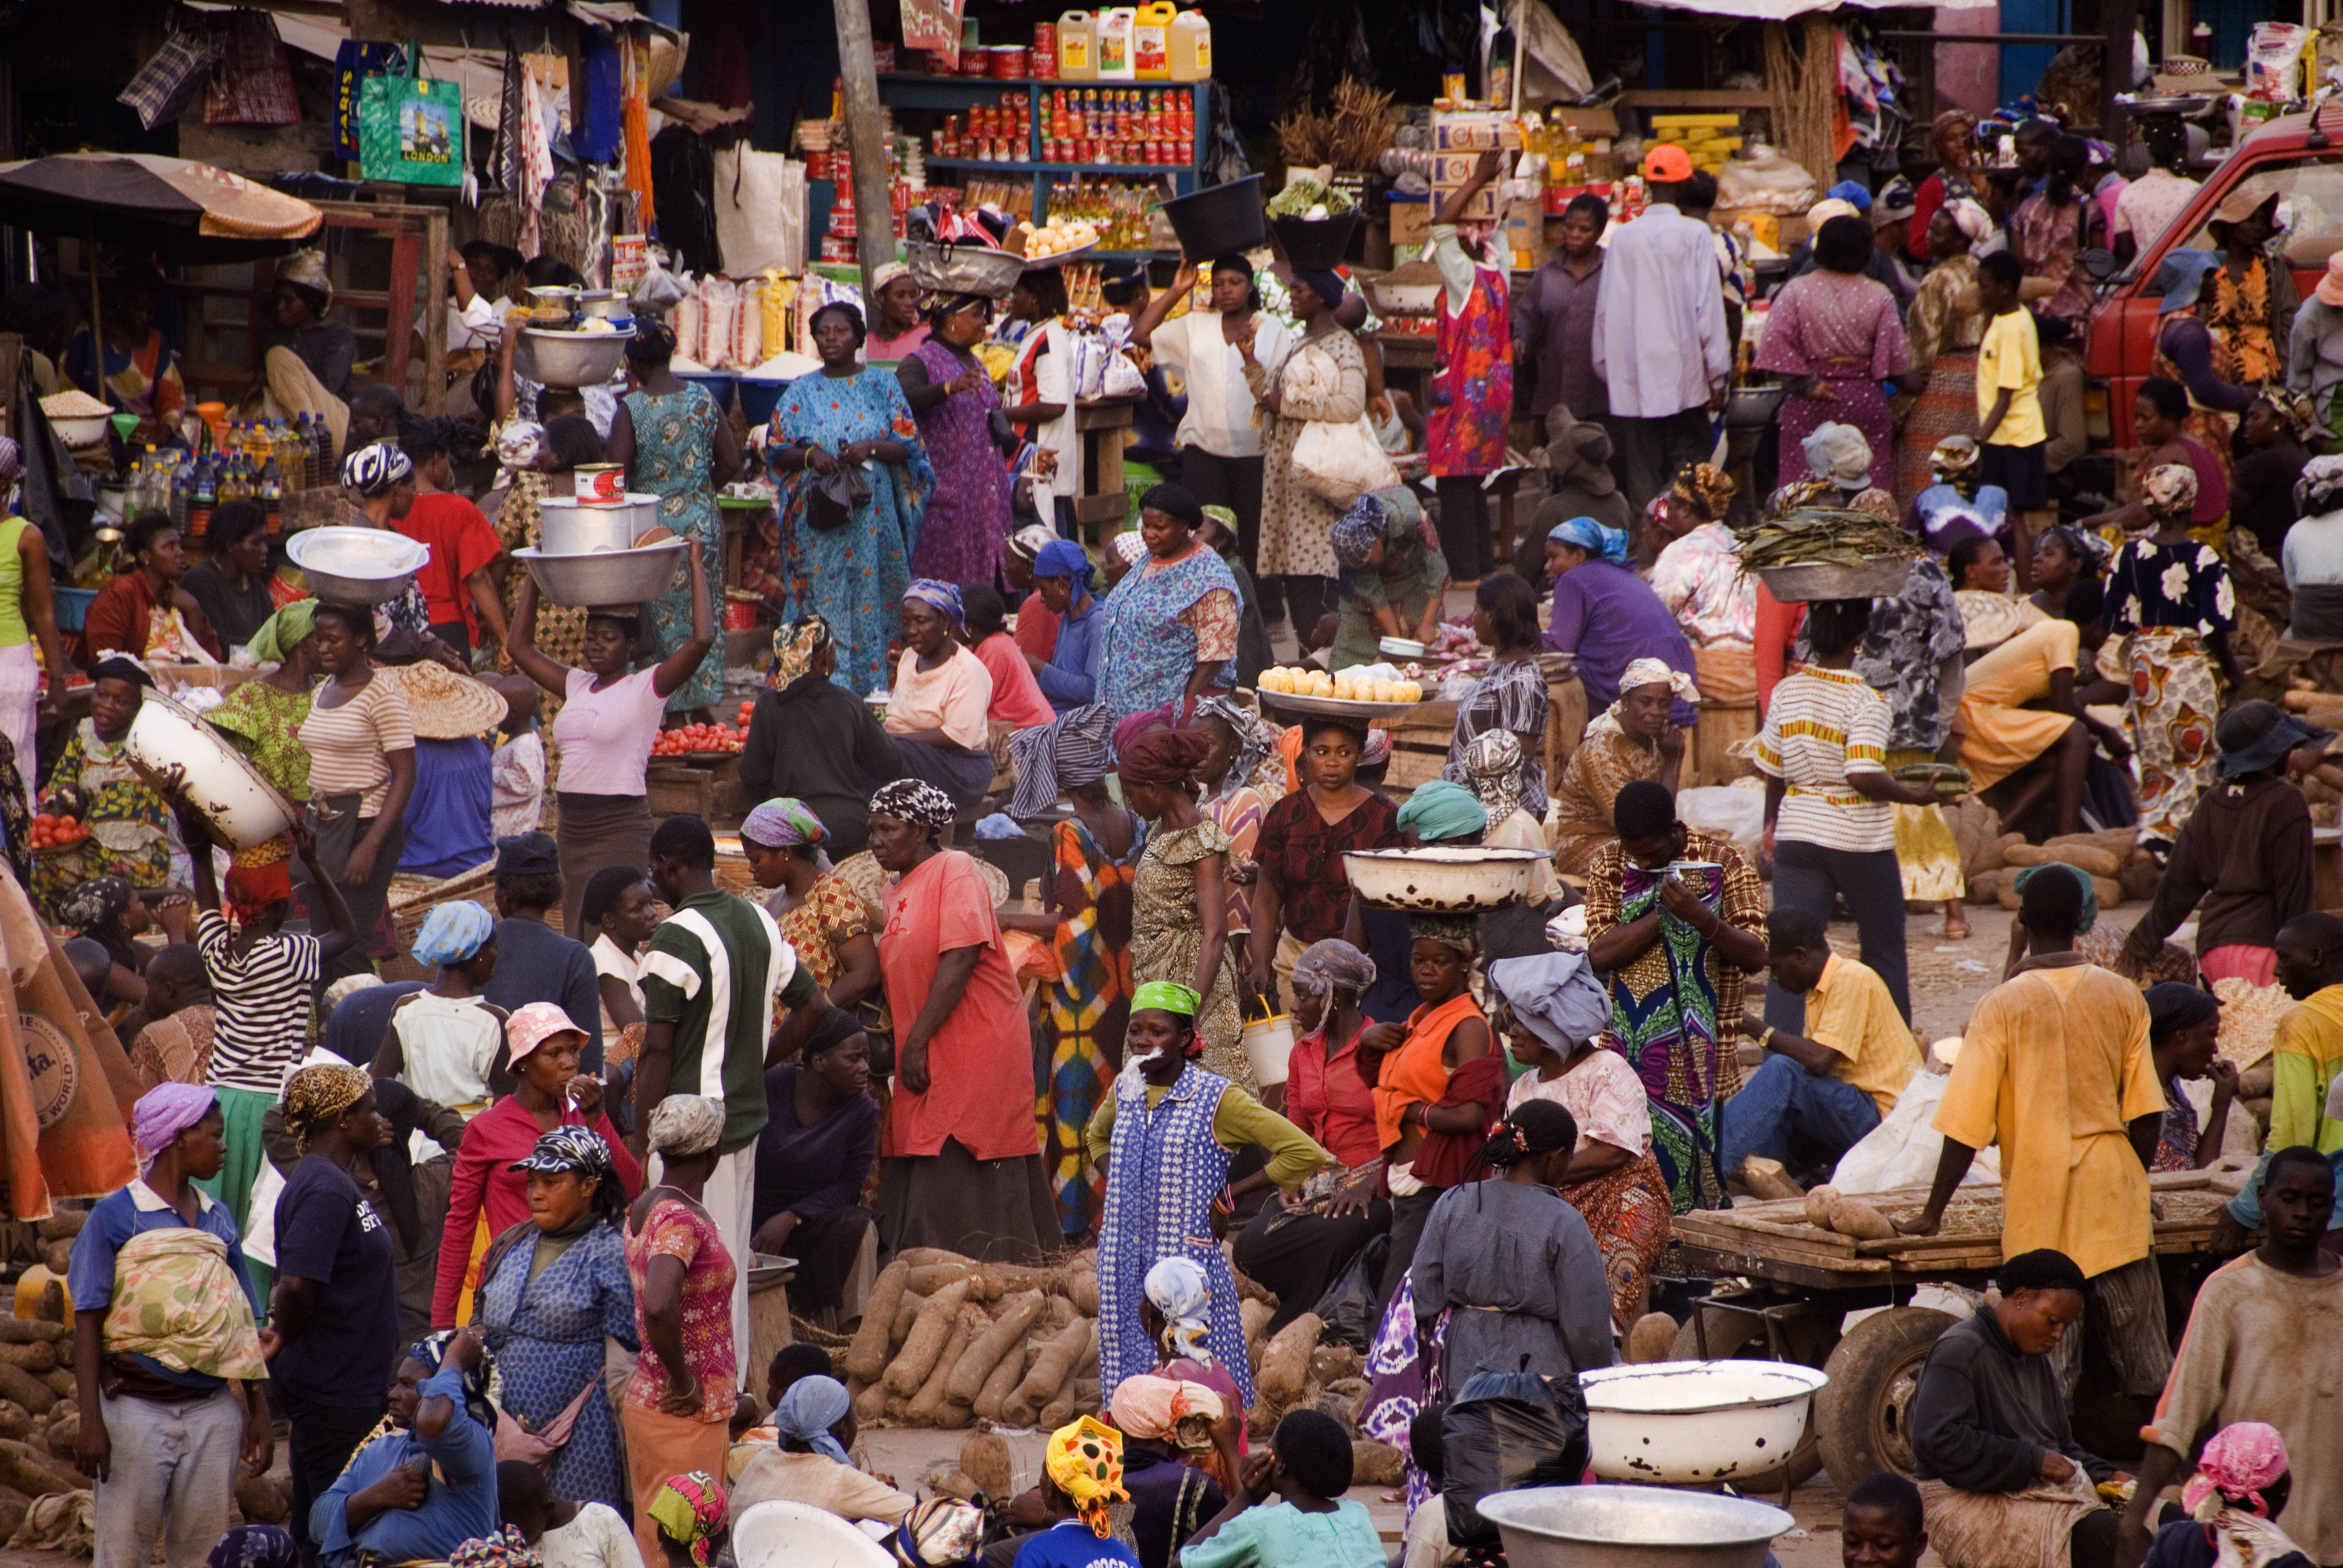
{"x": 411, "y": 130}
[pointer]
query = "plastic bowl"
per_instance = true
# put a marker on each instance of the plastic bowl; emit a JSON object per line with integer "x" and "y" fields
{"x": 79, "y": 433}
{"x": 241, "y": 809}
{"x": 356, "y": 566}
{"x": 611, "y": 577}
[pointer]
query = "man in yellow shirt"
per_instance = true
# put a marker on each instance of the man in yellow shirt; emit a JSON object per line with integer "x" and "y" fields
{"x": 2055, "y": 1069}
{"x": 2309, "y": 1047}
{"x": 1817, "y": 1094}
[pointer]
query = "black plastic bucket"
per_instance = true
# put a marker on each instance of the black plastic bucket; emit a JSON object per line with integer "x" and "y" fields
{"x": 1219, "y": 220}
{"x": 1317, "y": 246}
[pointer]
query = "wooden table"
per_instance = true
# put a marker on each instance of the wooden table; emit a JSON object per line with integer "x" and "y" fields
{"x": 1102, "y": 503}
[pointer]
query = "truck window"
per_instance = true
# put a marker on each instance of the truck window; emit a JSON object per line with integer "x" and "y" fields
{"x": 2310, "y": 207}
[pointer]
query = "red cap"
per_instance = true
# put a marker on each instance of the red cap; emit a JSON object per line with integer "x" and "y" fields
{"x": 1668, "y": 164}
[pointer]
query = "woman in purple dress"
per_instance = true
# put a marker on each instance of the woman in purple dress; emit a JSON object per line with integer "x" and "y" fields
{"x": 966, "y": 531}
{"x": 1833, "y": 335}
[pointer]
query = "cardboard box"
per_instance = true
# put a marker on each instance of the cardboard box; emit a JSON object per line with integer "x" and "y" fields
{"x": 1525, "y": 234}
{"x": 1474, "y": 132}
{"x": 1411, "y": 219}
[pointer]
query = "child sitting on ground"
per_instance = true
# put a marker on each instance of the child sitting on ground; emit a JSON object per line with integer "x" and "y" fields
{"x": 1308, "y": 1468}
{"x": 565, "y": 1534}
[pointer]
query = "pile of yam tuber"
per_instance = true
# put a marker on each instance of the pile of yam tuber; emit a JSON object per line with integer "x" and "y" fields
{"x": 1291, "y": 1371}
{"x": 2119, "y": 873}
{"x": 946, "y": 1339}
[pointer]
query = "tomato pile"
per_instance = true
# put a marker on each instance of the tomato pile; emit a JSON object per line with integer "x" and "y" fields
{"x": 698, "y": 737}
{"x": 50, "y": 831}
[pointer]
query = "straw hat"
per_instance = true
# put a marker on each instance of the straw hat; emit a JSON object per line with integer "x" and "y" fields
{"x": 446, "y": 705}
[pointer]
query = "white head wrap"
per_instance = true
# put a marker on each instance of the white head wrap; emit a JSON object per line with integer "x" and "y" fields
{"x": 1643, "y": 672}
{"x": 686, "y": 1124}
{"x": 1971, "y": 218}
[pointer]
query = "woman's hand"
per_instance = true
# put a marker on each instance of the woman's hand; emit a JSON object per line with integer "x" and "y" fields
{"x": 177, "y": 914}
{"x": 1672, "y": 744}
{"x": 1383, "y": 1037}
{"x": 1254, "y": 1474}
{"x": 774, "y": 1233}
{"x": 2057, "y": 1466}
{"x": 585, "y": 1092}
{"x": 819, "y": 461}
{"x": 401, "y": 1489}
{"x": 1357, "y": 1192}
{"x": 682, "y": 1395}
{"x": 2224, "y": 1074}
{"x": 969, "y": 380}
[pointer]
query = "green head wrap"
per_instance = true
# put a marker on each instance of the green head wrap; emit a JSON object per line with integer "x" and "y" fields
{"x": 2090, "y": 898}
{"x": 1166, "y": 996}
{"x": 1441, "y": 810}
{"x": 280, "y": 632}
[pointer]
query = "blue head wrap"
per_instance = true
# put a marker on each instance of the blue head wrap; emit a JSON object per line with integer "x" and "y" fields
{"x": 1064, "y": 558}
{"x": 452, "y": 932}
{"x": 1440, "y": 810}
{"x": 943, "y": 596}
{"x": 809, "y": 1409}
{"x": 1591, "y": 536}
{"x": 1857, "y": 197}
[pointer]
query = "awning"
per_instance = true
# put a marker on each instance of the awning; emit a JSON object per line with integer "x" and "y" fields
{"x": 1783, "y": 10}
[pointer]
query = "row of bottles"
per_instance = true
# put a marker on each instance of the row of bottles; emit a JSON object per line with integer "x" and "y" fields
{"x": 255, "y": 460}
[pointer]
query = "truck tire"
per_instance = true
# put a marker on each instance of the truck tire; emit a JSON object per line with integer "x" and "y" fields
{"x": 1864, "y": 1412}
{"x": 1734, "y": 1337}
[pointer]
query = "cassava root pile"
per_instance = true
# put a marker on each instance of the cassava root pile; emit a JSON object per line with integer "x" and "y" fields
{"x": 946, "y": 1340}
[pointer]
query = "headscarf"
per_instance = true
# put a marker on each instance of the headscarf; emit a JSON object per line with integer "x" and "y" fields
{"x": 1555, "y": 996}
{"x": 95, "y": 905}
{"x": 1326, "y": 284}
{"x": 1856, "y": 194}
{"x": 942, "y": 597}
{"x": 1129, "y": 547}
{"x": 1069, "y": 752}
{"x": 1953, "y": 456}
{"x": 1166, "y": 996}
{"x": 1330, "y": 965}
{"x": 565, "y": 1150}
{"x": 1829, "y": 207}
{"x": 1492, "y": 762}
{"x": 940, "y": 1532}
{"x": 1838, "y": 453}
{"x": 2240, "y": 1461}
{"x": 686, "y": 1124}
{"x": 2320, "y": 489}
{"x": 372, "y": 470}
{"x": 518, "y": 441}
{"x": 784, "y": 822}
{"x": 531, "y": 1025}
{"x": 1155, "y": 1409}
{"x": 122, "y": 666}
{"x": 1439, "y": 811}
{"x": 11, "y": 461}
{"x": 884, "y": 274}
{"x": 162, "y": 1113}
{"x": 1065, "y": 559}
{"x": 1970, "y": 217}
{"x": 1084, "y": 1460}
{"x": 1028, "y": 542}
{"x": 1178, "y": 1289}
{"x": 689, "y": 1511}
{"x": 1165, "y": 757}
{"x": 2090, "y": 916}
{"x": 1224, "y": 516}
{"x": 1643, "y": 672}
{"x": 452, "y": 933}
{"x": 1591, "y": 536}
{"x": 2173, "y": 1006}
{"x": 809, "y": 1409}
{"x": 1896, "y": 200}
{"x": 1132, "y": 726}
{"x": 916, "y": 801}
{"x": 1706, "y": 486}
{"x": 283, "y": 631}
{"x": 2293, "y": 409}
{"x": 317, "y": 1096}
{"x": 253, "y": 890}
{"x": 256, "y": 1546}
{"x": 306, "y": 267}
{"x": 1356, "y": 533}
{"x": 794, "y": 646}
{"x": 1377, "y": 750}
{"x": 505, "y": 1548}
{"x": 2169, "y": 490}
{"x": 1257, "y": 737}
{"x": 1459, "y": 931}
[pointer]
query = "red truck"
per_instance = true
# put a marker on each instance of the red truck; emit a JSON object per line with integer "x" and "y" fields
{"x": 2280, "y": 158}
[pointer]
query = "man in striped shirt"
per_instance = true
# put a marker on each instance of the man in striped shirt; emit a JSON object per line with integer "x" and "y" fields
{"x": 1830, "y": 824}
{"x": 710, "y": 977}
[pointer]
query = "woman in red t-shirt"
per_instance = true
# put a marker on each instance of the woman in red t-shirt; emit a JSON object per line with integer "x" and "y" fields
{"x": 456, "y": 585}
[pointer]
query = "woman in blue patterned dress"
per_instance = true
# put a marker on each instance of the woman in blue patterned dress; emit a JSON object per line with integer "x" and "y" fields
{"x": 555, "y": 1286}
{"x": 1171, "y": 624}
{"x": 676, "y": 446}
{"x": 852, "y": 575}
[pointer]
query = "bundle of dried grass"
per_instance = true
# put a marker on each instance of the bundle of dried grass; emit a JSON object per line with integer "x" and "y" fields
{"x": 1352, "y": 136}
{"x": 1803, "y": 77}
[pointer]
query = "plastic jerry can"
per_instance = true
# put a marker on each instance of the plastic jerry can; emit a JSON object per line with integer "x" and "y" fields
{"x": 1151, "y": 56}
{"x": 1190, "y": 46}
{"x": 1077, "y": 47}
{"x": 1116, "y": 26}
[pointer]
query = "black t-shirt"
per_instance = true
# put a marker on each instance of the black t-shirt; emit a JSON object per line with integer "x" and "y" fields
{"x": 327, "y": 1232}
{"x": 2269, "y": 475}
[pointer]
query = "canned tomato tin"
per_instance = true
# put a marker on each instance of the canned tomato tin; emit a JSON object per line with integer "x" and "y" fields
{"x": 1007, "y": 60}
{"x": 600, "y": 484}
{"x": 1045, "y": 47}
{"x": 972, "y": 61}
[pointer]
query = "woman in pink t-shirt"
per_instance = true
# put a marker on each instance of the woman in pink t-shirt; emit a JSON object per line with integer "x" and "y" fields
{"x": 1017, "y": 699}
{"x": 936, "y": 711}
{"x": 611, "y": 713}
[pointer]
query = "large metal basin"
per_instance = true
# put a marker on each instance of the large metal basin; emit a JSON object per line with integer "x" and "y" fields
{"x": 1696, "y": 1422}
{"x": 611, "y": 577}
{"x": 241, "y": 809}
{"x": 1439, "y": 880}
{"x": 1631, "y": 1527}
{"x": 570, "y": 359}
{"x": 570, "y": 527}
{"x": 356, "y": 566}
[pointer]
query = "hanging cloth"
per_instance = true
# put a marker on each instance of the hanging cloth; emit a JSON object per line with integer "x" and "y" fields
{"x": 599, "y": 137}
{"x": 634, "y": 120}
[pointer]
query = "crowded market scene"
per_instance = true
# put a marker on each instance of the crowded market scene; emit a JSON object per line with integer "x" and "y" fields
{"x": 940, "y": 784}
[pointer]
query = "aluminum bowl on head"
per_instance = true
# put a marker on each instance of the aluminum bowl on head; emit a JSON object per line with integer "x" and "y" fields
{"x": 240, "y": 808}
{"x": 609, "y": 577}
{"x": 1441, "y": 879}
{"x": 1631, "y": 1527}
{"x": 570, "y": 359}
{"x": 569, "y": 527}
{"x": 1696, "y": 1422}
{"x": 356, "y": 566}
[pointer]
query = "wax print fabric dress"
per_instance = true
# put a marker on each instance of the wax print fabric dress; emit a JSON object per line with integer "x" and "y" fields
{"x": 675, "y": 448}
{"x": 1844, "y": 331}
{"x": 966, "y": 531}
{"x": 853, "y": 576}
{"x": 1163, "y": 620}
{"x": 545, "y": 1329}
{"x": 2167, "y": 601}
{"x": 1168, "y": 1168}
{"x": 1473, "y": 383}
{"x": 1084, "y": 1012}
{"x": 129, "y": 826}
{"x": 1167, "y": 938}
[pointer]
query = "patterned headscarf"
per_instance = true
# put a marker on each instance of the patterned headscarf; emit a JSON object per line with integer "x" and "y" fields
{"x": 2293, "y": 409}
{"x": 1377, "y": 750}
{"x": 1069, "y": 752}
{"x": 794, "y": 646}
{"x": 371, "y": 471}
{"x": 164, "y": 1111}
{"x": 564, "y": 1149}
{"x": 941, "y": 597}
{"x": 1970, "y": 217}
{"x": 1357, "y": 531}
{"x": 783, "y": 823}
{"x": 1440, "y": 811}
{"x": 1952, "y": 456}
{"x": 11, "y": 461}
{"x": 1166, "y": 996}
{"x": 1028, "y": 542}
{"x": 283, "y": 631}
{"x": 452, "y": 933}
{"x": 1838, "y": 453}
{"x": 95, "y": 904}
{"x": 1177, "y": 1288}
{"x": 2240, "y": 1461}
{"x": 1257, "y": 737}
{"x": 2320, "y": 486}
{"x": 1706, "y": 486}
{"x": 689, "y": 1511}
{"x": 809, "y": 1409}
{"x": 1084, "y": 1460}
{"x": 686, "y": 1124}
{"x": 316, "y": 1097}
{"x": 1459, "y": 931}
{"x": 915, "y": 801}
{"x": 2169, "y": 490}
{"x": 1492, "y": 762}
{"x": 1643, "y": 672}
{"x": 1591, "y": 536}
{"x": 506, "y": 1548}
{"x": 1156, "y": 1408}
{"x": 1331, "y": 965}
{"x": 1129, "y": 547}
{"x": 256, "y": 1546}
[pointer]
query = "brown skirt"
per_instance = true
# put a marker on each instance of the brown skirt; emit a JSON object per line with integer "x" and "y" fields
{"x": 2025, "y": 1529}
{"x": 997, "y": 1210}
{"x": 597, "y": 831}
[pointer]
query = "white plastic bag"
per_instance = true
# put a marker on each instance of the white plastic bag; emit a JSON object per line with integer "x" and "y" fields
{"x": 1122, "y": 378}
{"x": 1339, "y": 463}
{"x": 1902, "y": 1151}
{"x": 1767, "y": 179}
{"x": 1738, "y": 814}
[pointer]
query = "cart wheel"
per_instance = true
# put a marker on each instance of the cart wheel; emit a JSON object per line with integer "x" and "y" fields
{"x": 1864, "y": 1412}
{"x": 1734, "y": 1337}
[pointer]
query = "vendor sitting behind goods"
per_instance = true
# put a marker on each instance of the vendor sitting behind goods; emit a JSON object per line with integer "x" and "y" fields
{"x": 1817, "y": 1094}
{"x": 382, "y": 1507}
{"x": 2005, "y": 1483}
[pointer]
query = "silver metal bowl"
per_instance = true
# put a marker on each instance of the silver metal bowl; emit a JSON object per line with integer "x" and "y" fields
{"x": 1631, "y": 1527}
{"x": 964, "y": 268}
{"x": 570, "y": 359}
{"x": 1754, "y": 408}
{"x": 356, "y": 566}
{"x": 1875, "y": 576}
{"x": 607, "y": 304}
{"x": 570, "y": 527}
{"x": 607, "y": 578}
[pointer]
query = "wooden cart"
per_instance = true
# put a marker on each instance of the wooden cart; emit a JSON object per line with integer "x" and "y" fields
{"x": 1781, "y": 1288}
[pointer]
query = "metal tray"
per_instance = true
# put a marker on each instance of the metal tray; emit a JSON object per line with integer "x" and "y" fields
{"x": 1335, "y": 707}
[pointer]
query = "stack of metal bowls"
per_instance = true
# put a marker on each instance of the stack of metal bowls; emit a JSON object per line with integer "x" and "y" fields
{"x": 588, "y": 555}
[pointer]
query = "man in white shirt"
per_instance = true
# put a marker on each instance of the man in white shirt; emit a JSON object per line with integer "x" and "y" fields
{"x": 2150, "y": 204}
{"x": 1660, "y": 347}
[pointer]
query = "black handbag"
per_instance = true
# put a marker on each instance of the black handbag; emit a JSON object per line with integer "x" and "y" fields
{"x": 832, "y": 499}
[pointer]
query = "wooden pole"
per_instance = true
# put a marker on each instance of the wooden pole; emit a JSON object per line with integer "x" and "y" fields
{"x": 2115, "y": 72}
{"x": 874, "y": 215}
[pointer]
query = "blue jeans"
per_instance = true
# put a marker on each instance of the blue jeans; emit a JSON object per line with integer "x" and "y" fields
{"x": 1781, "y": 1099}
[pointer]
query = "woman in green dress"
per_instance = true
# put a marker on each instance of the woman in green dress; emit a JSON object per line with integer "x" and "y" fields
{"x": 261, "y": 717}
{"x": 129, "y": 825}
{"x": 1179, "y": 895}
{"x": 675, "y": 445}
